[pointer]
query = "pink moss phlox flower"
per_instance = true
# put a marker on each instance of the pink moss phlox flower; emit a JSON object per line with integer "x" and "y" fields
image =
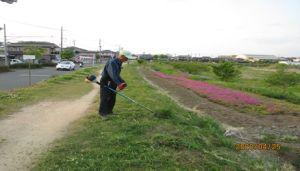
{"x": 213, "y": 92}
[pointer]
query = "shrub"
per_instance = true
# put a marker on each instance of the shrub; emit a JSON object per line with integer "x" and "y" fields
{"x": 25, "y": 65}
{"x": 50, "y": 64}
{"x": 273, "y": 92}
{"x": 191, "y": 67}
{"x": 226, "y": 71}
{"x": 283, "y": 78}
{"x": 4, "y": 69}
{"x": 141, "y": 61}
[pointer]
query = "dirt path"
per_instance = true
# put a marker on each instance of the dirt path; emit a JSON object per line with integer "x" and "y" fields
{"x": 28, "y": 133}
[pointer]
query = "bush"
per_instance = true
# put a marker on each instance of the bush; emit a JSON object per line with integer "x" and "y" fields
{"x": 25, "y": 65}
{"x": 191, "y": 67}
{"x": 273, "y": 92}
{"x": 283, "y": 78}
{"x": 51, "y": 64}
{"x": 4, "y": 69}
{"x": 141, "y": 61}
{"x": 226, "y": 71}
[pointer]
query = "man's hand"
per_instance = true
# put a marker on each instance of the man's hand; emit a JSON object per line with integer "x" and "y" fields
{"x": 91, "y": 78}
{"x": 122, "y": 86}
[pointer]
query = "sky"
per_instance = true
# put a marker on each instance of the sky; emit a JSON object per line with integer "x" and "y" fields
{"x": 195, "y": 27}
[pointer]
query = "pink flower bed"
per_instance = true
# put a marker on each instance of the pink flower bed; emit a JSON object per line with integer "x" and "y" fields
{"x": 213, "y": 92}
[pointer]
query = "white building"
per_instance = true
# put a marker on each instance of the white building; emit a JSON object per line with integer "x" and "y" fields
{"x": 255, "y": 58}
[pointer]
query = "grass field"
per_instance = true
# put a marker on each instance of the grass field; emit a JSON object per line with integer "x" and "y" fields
{"x": 252, "y": 79}
{"x": 68, "y": 86}
{"x": 135, "y": 139}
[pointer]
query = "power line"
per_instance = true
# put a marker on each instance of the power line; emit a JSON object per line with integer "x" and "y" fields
{"x": 71, "y": 35}
{"x": 32, "y": 25}
{"x": 30, "y": 36}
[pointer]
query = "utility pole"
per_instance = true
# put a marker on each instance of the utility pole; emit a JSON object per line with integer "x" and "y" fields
{"x": 61, "y": 41}
{"x": 74, "y": 43}
{"x": 100, "y": 49}
{"x": 5, "y": 47}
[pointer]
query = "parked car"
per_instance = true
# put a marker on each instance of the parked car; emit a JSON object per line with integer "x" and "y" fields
{"x": 65, "y": 65}
{"x": 15, "y": 61}
{"x": 44, "y": 61}
{"x": 56, "y": 61}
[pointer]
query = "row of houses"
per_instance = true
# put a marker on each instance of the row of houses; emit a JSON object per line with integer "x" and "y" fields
{"x": 250, "y": 57}
{"x": 235, "y": 58}
{"x": 87, "y": 56}
{"x": 52, "y": 51}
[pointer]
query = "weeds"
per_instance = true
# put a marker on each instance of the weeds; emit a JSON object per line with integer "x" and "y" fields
{"x": 164, "y": 114}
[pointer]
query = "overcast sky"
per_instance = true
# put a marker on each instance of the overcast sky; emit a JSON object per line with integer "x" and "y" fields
{"x": 205, "y": 27}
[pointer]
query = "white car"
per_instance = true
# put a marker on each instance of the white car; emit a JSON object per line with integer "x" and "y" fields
{"x": 15, "y": 61}
{"x": 65, "y": 65}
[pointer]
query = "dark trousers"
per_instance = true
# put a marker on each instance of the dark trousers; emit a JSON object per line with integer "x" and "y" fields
{"x": 107, "y": 99}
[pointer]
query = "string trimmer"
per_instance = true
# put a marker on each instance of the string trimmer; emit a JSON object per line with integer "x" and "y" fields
{"x": 93, "y": 79}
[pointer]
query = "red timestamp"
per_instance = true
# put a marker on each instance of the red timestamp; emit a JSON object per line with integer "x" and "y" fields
{"x": 258, "y": 146}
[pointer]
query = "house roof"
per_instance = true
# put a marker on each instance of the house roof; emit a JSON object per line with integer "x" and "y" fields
{"x": 33, "y": 43}
{"x": 107, "y": 51}
{"x": 76, "y": 49}
{"x": 262, "y": 56}
{"x": 80, "y": 50}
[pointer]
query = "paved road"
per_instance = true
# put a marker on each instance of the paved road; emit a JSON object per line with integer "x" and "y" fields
{"x": 19, "y": 78}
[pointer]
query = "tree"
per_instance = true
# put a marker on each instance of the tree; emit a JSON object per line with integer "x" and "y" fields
{"x": 36, "y": 51}
{"x": 67, "y": 54}
{"x": 97, "y": 56}
{"x": 160, "y": 57}
{"x": 226, "y": 71}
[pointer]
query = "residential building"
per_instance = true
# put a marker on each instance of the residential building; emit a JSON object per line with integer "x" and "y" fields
{"x": 88, "y": 56}
{"x": 255, "y": 58}
{"x": 17, "y": 50}
{"x": 184, "y": 57}
{"x": 227, "y": 57}
{"x": 106, "y": 54}
{"x": 145, "y": 56}
{"x": 202, "y": 59}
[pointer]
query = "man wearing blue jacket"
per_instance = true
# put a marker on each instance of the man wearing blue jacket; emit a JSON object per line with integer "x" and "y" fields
{"x": 111, "y": 78}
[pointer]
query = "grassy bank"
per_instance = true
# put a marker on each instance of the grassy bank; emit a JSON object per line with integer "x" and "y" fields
{"x": 252, "y": 79}
{"x": 173, "y": 138}
{"x": 4, "y": 69}
{"x": 64, "y": 87}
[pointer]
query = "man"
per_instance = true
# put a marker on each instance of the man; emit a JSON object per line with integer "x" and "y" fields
{"x": 111, "y": 78}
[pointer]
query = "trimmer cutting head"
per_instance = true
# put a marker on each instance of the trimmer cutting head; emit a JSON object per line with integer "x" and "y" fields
{"x": 91, "y": 78}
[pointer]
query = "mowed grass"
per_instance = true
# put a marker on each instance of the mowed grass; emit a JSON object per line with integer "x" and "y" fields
{"x": 136, "y": 139}
{"x": 65, "y": 87}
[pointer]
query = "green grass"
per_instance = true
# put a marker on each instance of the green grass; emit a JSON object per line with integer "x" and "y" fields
{"x": 162, "y": 67}
{"x": 135, "y": 139}
{"x": 69, "y": 86}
